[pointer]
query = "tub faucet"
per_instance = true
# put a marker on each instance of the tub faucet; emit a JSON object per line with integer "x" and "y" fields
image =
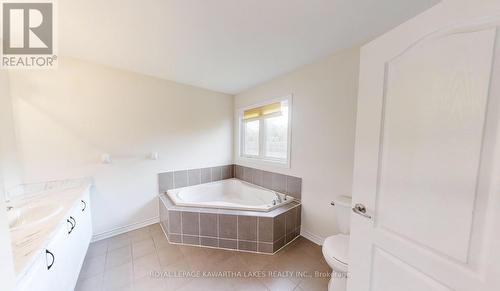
{"x": 7, "y": 206}
{"x": 278, "y": 197}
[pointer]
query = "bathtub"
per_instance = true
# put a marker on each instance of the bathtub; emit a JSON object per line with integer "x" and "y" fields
{"x": 228, "y": 194}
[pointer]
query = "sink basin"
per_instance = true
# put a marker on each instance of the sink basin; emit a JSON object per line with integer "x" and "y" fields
{"x": 31, "y": 215}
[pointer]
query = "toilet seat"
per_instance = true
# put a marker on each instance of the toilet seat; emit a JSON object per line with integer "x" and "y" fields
{"x": 336, "y": 251}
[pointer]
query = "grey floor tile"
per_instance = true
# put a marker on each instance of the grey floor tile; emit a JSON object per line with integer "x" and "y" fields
{"x": 90, "y": 284}
{"x": 93, "y": 266}
{"x": 118, "y": 277}
{"x": 118, "y": 257}
{"x": 142, "y": 248}
{"x": 145, "y": 266}
{"x": 136, "y": 265}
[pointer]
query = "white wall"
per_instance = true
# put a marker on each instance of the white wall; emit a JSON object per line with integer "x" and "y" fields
{"x": 323, "y": 128}
{"x": 8, "y": 168}
{"x": 68, "y": 117}
{"x": 9, "y": 164}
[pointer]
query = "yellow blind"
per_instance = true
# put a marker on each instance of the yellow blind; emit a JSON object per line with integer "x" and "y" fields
{"x": 262, "y": 110}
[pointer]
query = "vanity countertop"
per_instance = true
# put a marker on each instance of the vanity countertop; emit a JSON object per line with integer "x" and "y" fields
{"x": 29, "y": 242}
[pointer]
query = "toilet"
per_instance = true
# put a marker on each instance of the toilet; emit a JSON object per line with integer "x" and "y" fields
{"x": 336, "y": 247}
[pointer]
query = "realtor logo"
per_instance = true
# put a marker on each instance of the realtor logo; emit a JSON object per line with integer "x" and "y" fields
{"x": 27, "y": 34}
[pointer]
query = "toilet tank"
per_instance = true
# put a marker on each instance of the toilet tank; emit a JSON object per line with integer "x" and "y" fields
{"x": 343, "y": 213}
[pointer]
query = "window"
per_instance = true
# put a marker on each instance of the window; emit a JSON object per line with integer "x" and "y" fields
{"x": 265, "y": 132}
{"x": 252, "y": 134}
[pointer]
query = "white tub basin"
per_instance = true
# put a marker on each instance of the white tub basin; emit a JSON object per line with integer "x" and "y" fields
{"x": 31, "y": 215}
{"x": 229, "y": 194}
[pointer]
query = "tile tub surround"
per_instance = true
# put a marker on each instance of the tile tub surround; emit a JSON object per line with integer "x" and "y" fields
{"x": 183, "y": 178}
{"x": 278, "y": 182}
{"x": 274, "y": 181}
{"x": 261, "y": 232}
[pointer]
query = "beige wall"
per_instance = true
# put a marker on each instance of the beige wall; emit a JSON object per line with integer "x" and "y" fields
{"x": 68, "y": 117}
{"x": 8, "y": 174}
{"x": 9, "y": 164}
{"x": 323, "y": 128}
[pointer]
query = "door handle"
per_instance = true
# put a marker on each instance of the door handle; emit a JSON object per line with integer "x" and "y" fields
{"x": 361, "y": 210}
{"x": 47, "y": 252}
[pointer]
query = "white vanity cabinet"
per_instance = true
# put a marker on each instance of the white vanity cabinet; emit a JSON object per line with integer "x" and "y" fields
{"x": 78, "y": 239}
{"x": 58, "y": 266}
{"x": 43, "y": 272}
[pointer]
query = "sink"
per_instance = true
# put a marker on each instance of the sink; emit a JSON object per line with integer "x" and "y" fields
{"x": 31, "y": 215}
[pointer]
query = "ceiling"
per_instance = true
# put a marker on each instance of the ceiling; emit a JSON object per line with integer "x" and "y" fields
{"x": 222, "y": 45}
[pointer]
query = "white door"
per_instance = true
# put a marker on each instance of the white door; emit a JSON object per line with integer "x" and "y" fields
{"x": 427, "y": 156}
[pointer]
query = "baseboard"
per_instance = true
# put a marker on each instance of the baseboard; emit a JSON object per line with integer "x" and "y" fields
{"x": 312, "y": 237}
{"x": 124, "y": 229}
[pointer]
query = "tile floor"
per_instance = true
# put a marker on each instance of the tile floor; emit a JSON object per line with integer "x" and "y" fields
{"x": 144, "y": 260}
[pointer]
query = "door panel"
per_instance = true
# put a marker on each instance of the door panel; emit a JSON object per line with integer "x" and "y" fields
{"x": 427, "y": 154}
{"x": 434, "y": 113}
{"x": 391, "y": 273}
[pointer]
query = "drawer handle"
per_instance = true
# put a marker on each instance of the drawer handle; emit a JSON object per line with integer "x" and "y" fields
{"x": 72, "y": 225}
{"x": 74, "y": 222}
{"x": 47, "y": 252}
{"x": 84, "y": 205}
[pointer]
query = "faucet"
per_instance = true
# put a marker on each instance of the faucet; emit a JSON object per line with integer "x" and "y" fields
{"x": 8, "y": 207}
{"x": 7, "y": 201}
{"x": 278, "y": 197}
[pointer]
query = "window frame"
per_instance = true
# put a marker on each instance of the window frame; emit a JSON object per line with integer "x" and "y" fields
{"x": 261, "y": 158}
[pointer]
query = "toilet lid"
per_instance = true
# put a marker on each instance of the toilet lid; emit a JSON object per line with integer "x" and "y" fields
{"x": 337, "y": 247}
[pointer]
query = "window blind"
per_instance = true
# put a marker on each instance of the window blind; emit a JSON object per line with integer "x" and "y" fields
{"x": 262, "y": 110}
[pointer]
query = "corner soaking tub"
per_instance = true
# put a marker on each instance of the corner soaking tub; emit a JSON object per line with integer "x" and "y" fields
{"x": 228, "y": 194}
